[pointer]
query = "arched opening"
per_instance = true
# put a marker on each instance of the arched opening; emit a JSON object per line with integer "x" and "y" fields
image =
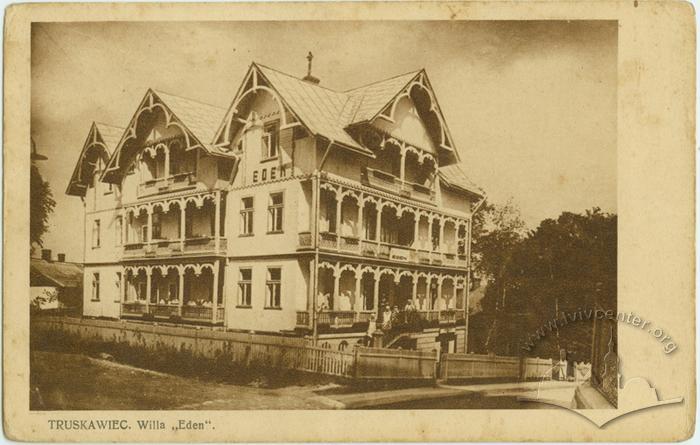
{"x": 389, "y": 159}
{"x": 446, "y": 300}
{"x": 349, "y": 217}
{"x": 346, "y": 291}
{"x": 404, "y": 292}
{"x": 389, "y": 229}
{"x": 422, "y": 293}
{"x": 326, "y": 284}
{"x": 369, "y": 216}
{"x": 387, "y": 293}
{"x": 367, "y": 290}
{"x": 449, "y": 243}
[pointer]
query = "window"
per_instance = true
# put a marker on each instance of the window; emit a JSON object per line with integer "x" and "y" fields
{"x": 109, "y": 189}
{"x": 144, "y": 233}
{"x": 96, "y": 233}
{"x": 247, "y": 216}
{"x": 274, "y": 288}
{"x": 118, "y": 231}
{"x": 118, "y": 284}
{"x": 96, "y": 286}
{"x": 270, "y": 140}
{"x": 245, "y": 287}
{"x": 274, "y": 212}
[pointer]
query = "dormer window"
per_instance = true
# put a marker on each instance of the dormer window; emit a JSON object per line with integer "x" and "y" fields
{"x": 270, "y": 140}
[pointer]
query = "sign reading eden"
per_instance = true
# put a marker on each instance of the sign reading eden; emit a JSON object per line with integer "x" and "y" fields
{"x": 269, "y": 174}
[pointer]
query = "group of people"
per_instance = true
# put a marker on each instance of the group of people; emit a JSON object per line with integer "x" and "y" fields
{"x": 344, "y": 302}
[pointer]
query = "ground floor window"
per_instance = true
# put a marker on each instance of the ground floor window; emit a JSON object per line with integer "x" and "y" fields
{"x": 274, "y": 287}
{"x": 245, "y": 287}
{"x": 96, "y": 286}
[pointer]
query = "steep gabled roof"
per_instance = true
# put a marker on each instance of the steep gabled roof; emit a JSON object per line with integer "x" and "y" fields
{"x": 101, "y": 136}
{"x": 333, "y": 114}
{"x": 368, "y": 100}
{"x": 453, "y": 176}
{"x": 200, "y": 118}
{"x": 318, "y": 108}
{"x": 110, "y": 135}
{"x": 196, "y": 119}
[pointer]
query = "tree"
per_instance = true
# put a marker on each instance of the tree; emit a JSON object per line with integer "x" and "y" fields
{"x": 557, "y": 268}
{"x": 41, "y": 205}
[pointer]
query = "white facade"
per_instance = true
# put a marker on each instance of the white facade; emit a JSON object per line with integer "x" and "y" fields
{"x": 278, "y": 216}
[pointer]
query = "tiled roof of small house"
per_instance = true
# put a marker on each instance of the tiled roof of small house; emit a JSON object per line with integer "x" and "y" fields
{"x": 59, "y": 274}
{"x": 200, "y": 118}
{"x": 111, "y": 135}
{"x": 454, "y": 176}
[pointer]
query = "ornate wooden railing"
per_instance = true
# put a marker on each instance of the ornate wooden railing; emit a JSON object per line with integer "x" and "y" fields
{"x": 349, "y": 318}
{"x": 165, "y": 185}
{"x": 170, "y": 247}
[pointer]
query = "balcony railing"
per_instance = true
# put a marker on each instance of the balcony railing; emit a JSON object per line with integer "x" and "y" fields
{"x": 168, "y": 248}
{"x": 169, "y": 311}
{"x": 172, "y": 183}
{"x": 390, "y": 183}
{"x": 371, "y": 248}
{"x": 339, "y": 319}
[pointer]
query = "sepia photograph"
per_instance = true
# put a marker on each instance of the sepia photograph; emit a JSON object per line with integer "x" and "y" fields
{"x": 349, "y": 222}
{"x": 224, "y": 217}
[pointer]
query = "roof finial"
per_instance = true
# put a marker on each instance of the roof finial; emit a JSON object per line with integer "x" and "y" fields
{"x": 309, "y": 77}
{"x": 310, "y": 58}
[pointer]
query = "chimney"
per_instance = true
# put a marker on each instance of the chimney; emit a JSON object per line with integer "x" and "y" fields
{"x": 309, "y": 78}
{"x": 61, "y": 257}
{"x": 46, "y": 254}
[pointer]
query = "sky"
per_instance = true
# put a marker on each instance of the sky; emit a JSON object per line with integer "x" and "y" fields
{"x": 531, "y": 106}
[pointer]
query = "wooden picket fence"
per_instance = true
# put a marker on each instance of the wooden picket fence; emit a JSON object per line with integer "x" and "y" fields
{"x": 275, "y": 351}
{"x": 486, "y": 366}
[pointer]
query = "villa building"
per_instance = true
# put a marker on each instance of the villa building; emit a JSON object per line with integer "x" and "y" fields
{"x": 343, "y": 217}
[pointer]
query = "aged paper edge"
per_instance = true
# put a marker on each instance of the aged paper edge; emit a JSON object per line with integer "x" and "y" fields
{"x": 656, "y": 116}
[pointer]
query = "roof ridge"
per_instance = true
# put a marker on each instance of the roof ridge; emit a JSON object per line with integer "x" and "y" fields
{"x": 298, "y": 78}
{"x": 384, "y": 80}
{"x": 188, "y": 98}
{"x": 109, "y": 125}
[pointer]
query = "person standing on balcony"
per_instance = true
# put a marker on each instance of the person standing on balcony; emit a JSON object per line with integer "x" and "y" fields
{"x": 386, "y": 318}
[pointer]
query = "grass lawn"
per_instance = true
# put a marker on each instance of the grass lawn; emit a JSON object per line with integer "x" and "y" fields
{"x": 78, "y": 382}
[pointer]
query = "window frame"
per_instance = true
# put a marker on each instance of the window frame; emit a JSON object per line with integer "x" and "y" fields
{"x": 273, "y": 139}
{"x": 96, "y": 235}
{"x": 268, "y": 293}
{"x": 244, "y": 212}
{"x": 119, "y": 227}
{"x": 273, "y": 208}
{"x": 240, "y": 303}
{"x": 95, "y": 297}
{"x": 118, "y": 299}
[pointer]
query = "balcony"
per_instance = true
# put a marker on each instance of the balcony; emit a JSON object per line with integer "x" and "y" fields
{"x": 390, "y": 183}
{"x": 181, "y": 181}
{"x": 370, "y": 248}
{"x": 198, "y": 314}
{"x": 344, "y": 319}
{"x": 204, "y": 245}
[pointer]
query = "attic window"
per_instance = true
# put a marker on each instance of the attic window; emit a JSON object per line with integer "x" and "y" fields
{"x": 270, "y": 140}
